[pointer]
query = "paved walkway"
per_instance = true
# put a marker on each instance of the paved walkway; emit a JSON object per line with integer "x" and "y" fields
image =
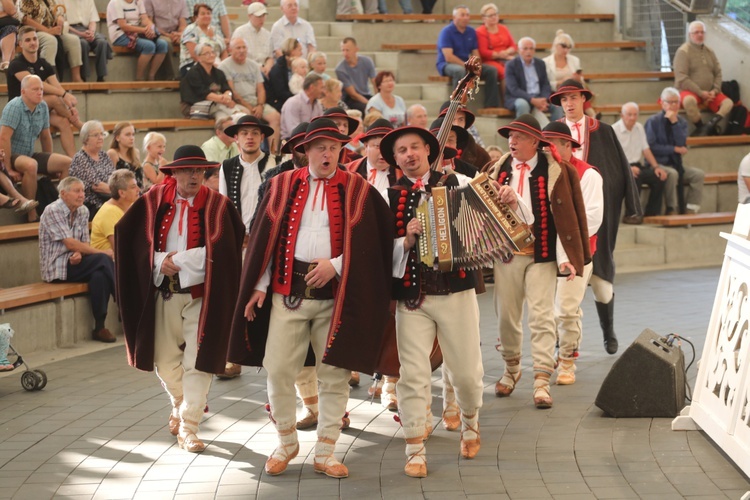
{"x": 98, "y": 430}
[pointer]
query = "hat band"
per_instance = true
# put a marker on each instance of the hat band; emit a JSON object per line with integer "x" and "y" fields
{"x": 531, "y": 129}
{"x": 558, "y": 135}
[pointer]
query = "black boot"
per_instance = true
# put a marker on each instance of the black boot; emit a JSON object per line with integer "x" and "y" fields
{"x": 712, "y": 127}
{"x": 699, "y": 130}
{"x": 606, "y": 320}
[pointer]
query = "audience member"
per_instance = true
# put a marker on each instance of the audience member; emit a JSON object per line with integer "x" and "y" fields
{"x": 318, "y": 61}
{"x": 43, "y": 17}
{"x": 246, "y": 82}
{"x": 219, "y": 16}
{"x": 154, "y": 146}
{"x": 221, "y": 146}
{"x": 123, "y": 193}
{"x": 123, "y": 153}
{"x": 257, "y": 38}
{"x": 129, "y": 26}
{"x": 356, "y": 73}
{"x": 667, "y": 134}
{"x": 304, "y": 106}
{"x": 416, "y": 116}
{"x": 200, "y": 31}
{"x": 204, "y": 90}
{"x": 299, "y": 72}
{"x": 170, "y": 18}
{"x": 526, "y": 85}
{"x": 561, "y": 66}
{"x": 93, "y": 166}
{"x": 427, "y": 6}
{"x": 14, "y": 199}
{"x": 632, "y": 137}
{"x": 743, "y": 180}
{"x": 83, "y": 18}
{"x": 65, "y": 252}
{"x": 7, "y": 33}
{"x": 290, "y": 25}
{"x": 494, "y": 41}
{"x": 277, "y": 85}
{"x": 456, "y": 43}
{"x": 391, "y": 107}
{"x": 62, "y": 104}
{"x": 24, "y": 120}
{"x": 333, "y": 90}
{"x": 495, "y": 152}
{"x": 697, "y": 75}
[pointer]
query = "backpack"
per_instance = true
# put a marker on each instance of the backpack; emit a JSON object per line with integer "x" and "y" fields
{"x": 46, "y": 193}
{"x": 731, "y": 89}
{"x": 736, "y": 120}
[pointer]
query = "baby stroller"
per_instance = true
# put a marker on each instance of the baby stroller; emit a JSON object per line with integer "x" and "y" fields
{"x": 31, "y": 380}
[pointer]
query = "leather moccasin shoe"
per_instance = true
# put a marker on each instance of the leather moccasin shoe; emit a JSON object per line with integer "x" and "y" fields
{"x": 104, "y": 335}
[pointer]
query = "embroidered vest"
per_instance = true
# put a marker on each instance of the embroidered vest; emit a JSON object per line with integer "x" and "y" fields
{"x": 233, "y": 171}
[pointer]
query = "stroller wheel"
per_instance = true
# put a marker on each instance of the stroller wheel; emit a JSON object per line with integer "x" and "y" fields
{"x": 41, "y": 379}
{"x": 29, "y": 380}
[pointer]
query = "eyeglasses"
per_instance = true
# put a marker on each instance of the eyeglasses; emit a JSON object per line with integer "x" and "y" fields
{"x": 564, "y": 45}
{"x": 672, "y": 102}
{"x": 192, "y": 171}
{"x": 98, "y": 135}
{"x": 494, "y": 14}
{"x": 208, "y": 53}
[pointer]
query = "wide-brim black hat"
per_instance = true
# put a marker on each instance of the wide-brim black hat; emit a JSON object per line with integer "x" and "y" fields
{"x": 189, "y": 156}
{"x": 378, "y": 128}
{"x": 337, "y": 112}
{"x": 526, "y": 124}
{"x": 248, "y": 121}
{"x": 389, "y": 140}
{"x": 470, "y": 117}
{"x": 560, "y": 130}
{"x": 321, "y": 128}
{"x": 298, "y": 133}
{"x": 569, "y": 86}
{"x": 462, "y": 136}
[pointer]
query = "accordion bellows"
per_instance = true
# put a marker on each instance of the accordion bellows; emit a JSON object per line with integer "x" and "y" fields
{"x": 467, "y": 228}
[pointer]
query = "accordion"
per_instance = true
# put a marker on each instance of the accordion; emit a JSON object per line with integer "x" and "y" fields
{"x": 467, "y": 228}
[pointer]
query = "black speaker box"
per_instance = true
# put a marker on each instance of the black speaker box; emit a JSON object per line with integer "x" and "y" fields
{"x": 648, "y": 380}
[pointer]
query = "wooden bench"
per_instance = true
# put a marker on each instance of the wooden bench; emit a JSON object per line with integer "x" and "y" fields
{"x": 690, "y": 219}
{"x": 720, "y": 178}
{"x": 109, "y": 86}
{"x": 610, "y": 77}
{"x": 35, "y": 293}
{"x": 163, "y": 124}
{"x": 719, "y": 140}
{"x": 431, "y": 47}
{"x": 12, "y": 232}
{"x": 476, "y": 17}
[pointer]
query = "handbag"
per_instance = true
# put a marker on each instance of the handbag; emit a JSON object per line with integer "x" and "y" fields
{"x": 9, "y": 21}
{"x": 202, "y": 110}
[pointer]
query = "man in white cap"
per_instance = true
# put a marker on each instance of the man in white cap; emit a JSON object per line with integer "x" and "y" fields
{"x": 257, "y": 38}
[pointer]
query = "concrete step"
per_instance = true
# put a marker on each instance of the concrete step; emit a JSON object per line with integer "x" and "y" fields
{"x": 534, "y": 7}
{"x": 630, "y": 255}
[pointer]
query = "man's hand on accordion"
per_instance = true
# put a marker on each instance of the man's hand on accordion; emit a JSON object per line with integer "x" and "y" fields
{"x": 506, "y": 194}
{"x": 413, "y": 229}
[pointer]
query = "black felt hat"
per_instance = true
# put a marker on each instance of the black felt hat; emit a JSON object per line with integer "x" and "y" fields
{"x": 526, "y": 124}
{"x": 298, "y": 133}
{"x": 470, "y": 118}
{"x": 567, "y": 87}
{"x": 337, "y": 112}
{"x": 462, "y": 136}
{"x": 386, "y": 145}
{"x": 378, "y": 128}
{"x": 189, "y": 156}
{"x": 321, "y": 128}
{"x": 559, "y": 130}
{"x": 248, "y": 121}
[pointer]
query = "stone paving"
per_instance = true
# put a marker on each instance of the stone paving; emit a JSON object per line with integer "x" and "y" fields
{"x": 98, "y": 430}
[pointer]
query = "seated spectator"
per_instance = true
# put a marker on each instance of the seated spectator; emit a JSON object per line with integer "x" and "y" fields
{"x": 333, "y": 90}
{"x": 356, "y": 73}
{"x": 390, "y": 106}
{"x": 456, "y": 43}
{"x": 495, "y": 152}
{"x": 257, "y": 38}
{"x": 123, "y": 153}
{"x": 62, "y": 104}
{"x": 303, "y": 107}
{"x": 527, "y": 88}
{"x": 743, "y": 180}
{"x": 290, "y": 25}
{"x": 697, "y": 75}
{"x": 494, "y": 41}
{"x": 93, "y": 166}
{"x": 200, "y": 31}
{"x": 24, "y": 120}
{"x": 299, "y": 72}
{"x": 219, "y": 16}
{"x": 318, "y": 61}
{"x": 12, "y": 198}
{"x": 562, "y": 65}
{"x": 83, "y": 18}
{"x": 246, "y": 82}
{"x": 277, "y": 85}
{"x": 206, "y": 85}
{"x": 65, "y": 253}
{"x": 129, "y": 26}
{"x": 123, "y": 193}
{"x": 8, "y": 29}
{"x": 646, "y": 170}
{"x": 221, "y": 147}
{"x": 170, "y": 18}
{"x": 154, "y": 146}
{"x": 42, "y": 16}
{"x": 667, "y": 137}
{"x": 416, "y": 116}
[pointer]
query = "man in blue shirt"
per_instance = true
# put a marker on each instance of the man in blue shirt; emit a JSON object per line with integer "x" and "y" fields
{"x": 456, "y": 43}
{"x": 357, "y": 75}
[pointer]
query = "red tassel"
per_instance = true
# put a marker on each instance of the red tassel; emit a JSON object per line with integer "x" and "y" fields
{"x": 555, "y": 153}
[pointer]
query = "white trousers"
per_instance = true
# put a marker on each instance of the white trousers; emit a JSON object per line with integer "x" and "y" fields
{"x": 454, "y": 320}
{"x": 177, "y": 324}
{"x": 568, "y": 311}
{"x": 289, "y": 336}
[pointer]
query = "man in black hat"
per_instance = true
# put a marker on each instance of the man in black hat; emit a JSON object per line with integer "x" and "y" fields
{"x": 322, "y": 246}
{"x": 176, "y": 281}
{"x": 373, "y": 166}
{"x": 569, "y": 294}
{"x": 297, "y": 159}
{"x": 552, "y": 190}
{"x": 473, "y": 152}
{"x": 347, "y": 126}
{"x": 455, "y": 144}
{"x": 600, "y": 148}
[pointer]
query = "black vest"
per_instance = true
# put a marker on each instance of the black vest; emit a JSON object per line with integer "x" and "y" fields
{"x": 233, "y": 170}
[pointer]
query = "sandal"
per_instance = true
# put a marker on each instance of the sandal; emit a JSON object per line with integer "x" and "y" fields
{"x": 542, "y": 398}
{"x": 11, "y": 203}
{"x": 4, "y": 66}
{"x": 27, "y": 207}
{"x": 504, "y": 387}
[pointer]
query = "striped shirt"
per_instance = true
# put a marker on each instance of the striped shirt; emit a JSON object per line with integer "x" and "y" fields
{"x": 56, "y": 225}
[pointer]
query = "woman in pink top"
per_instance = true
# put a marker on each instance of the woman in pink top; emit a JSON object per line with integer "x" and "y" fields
{"x": 496, "y": 44}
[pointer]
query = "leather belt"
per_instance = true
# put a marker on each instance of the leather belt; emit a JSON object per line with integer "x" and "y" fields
{"x": 299, "y": 287}
{"x": 435, "y": 282}
{"x": 171, "y": 284}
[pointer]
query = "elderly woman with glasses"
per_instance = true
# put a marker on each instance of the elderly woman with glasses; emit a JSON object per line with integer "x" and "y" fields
{"x": 562, "y": 65}
{"x": 92, "y": 165}
{"x": 496, "y": 44}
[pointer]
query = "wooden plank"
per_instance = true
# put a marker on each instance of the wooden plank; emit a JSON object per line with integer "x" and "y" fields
{"x": 720, "y": 140}
{"x": 624, "y": 45}
{"x": 19, "y": 231}
{"x": 720, "y": 178}
{"x": 476, "y": 17}
{"x": 690, "y": 219}
{"x": 39, "y": 292}
{"x": 134, "y": 85}
{"x": 636, "y": 75}
{"x": 496, "y": 112}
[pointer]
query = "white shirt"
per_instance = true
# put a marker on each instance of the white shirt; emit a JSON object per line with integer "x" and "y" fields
{"x": 381, "y": 177}
{"x": 81, "y": 12}
{"x": 593, "y": 199}
{"x": 578, "y": 135}
{"x": 301, "y": 31}
{"x": 192, "y": 263}
{"x": 249, "y": 185}
{"x": 633, "y": 141}
{"x": 258, "y": 42}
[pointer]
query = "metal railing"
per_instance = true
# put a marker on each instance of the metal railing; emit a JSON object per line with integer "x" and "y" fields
{"x": 659, "y": 24}
{"x": 739, "y": 10}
